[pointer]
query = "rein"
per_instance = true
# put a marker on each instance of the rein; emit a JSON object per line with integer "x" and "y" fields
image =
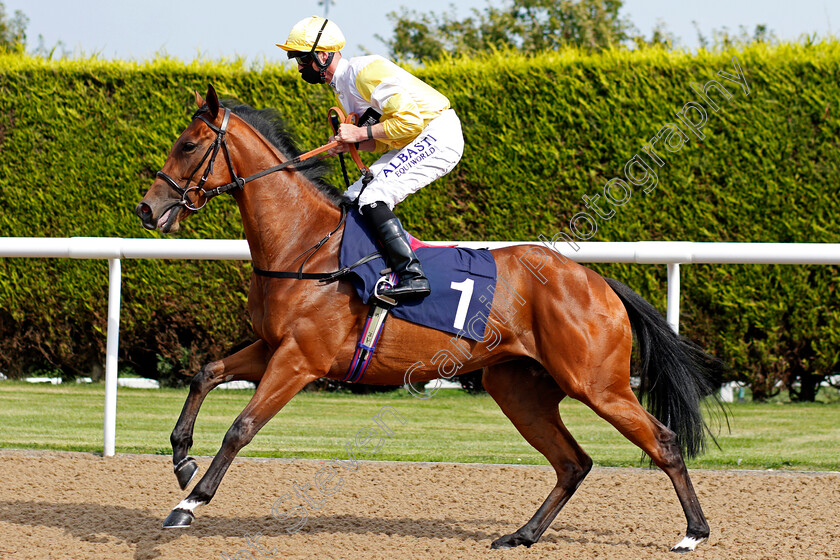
{"x": 239, "y": 183}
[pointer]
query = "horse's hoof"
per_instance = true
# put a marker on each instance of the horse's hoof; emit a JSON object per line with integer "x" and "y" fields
{"x": 178, "y": 519}
{"x": 510, "y": 541}
{"x": 185, "y": 471}
{"x": 688, "y": 544}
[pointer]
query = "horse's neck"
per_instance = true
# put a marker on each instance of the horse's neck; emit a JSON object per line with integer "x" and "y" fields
{"x": 284, "y": 215}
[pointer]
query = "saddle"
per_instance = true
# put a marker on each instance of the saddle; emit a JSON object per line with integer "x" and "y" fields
{"x": 462, "y": 280}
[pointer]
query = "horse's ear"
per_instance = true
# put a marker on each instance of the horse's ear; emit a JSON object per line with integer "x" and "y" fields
{"x": 198, "y": 99}
{"x": 212, "y": 101}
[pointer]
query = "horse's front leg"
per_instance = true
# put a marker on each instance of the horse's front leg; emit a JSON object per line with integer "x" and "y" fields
{"x": 279, "y": 384}
{"x": 247, "y": 364}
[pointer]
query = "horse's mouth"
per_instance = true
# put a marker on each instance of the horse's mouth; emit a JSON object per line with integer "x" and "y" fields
{"x": 169, "y": 219}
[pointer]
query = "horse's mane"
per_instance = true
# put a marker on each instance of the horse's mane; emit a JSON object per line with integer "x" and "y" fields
{"x": 274, "y": 128}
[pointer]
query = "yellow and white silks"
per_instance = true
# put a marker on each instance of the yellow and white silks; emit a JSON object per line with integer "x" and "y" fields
{"x": 424, "y": 134}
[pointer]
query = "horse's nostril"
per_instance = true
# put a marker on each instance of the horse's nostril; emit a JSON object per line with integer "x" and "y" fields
{"x": 143, "y": 210}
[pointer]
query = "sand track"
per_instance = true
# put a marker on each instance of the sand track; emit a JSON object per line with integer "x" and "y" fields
{"x": 77, "y": 505}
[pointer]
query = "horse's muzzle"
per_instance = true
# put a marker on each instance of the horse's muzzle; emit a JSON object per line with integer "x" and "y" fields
{"x": 144, "y": 212}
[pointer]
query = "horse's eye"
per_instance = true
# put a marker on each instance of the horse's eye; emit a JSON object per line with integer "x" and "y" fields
{"x": 188, "y": 147}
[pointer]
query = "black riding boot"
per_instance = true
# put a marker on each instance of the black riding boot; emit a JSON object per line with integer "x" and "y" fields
{"x": 413, "y": 284}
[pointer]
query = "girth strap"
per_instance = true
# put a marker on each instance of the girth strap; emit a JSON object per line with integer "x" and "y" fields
{"x": 366, "y": 346}
{"x": 324, "y": 277}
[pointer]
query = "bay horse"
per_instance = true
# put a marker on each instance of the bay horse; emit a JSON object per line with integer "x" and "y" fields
{"x": 572, "y": 334}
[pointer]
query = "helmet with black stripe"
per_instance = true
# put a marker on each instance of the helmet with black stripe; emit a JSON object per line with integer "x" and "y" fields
{"x": 311, "y": 35}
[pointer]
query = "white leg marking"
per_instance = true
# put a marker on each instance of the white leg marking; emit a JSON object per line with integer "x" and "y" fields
{"x": 688, "y": 544}
{"x": 190, "y": 505}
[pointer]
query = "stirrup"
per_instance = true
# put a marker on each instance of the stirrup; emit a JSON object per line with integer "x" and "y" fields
{"x": 385, "y": 282}
{"x": 410, "y": 293}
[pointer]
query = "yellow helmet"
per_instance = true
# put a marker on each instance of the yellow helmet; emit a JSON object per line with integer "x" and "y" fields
{"x": 314, "y": 34}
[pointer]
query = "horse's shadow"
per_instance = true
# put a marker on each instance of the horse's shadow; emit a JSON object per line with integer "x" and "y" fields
{"x": 143, "y": 532}
{"x": 92, "y": 523}
{"x": 97, "y": 523}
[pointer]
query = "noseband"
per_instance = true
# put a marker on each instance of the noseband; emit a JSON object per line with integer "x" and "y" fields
{"x": 212, "y": 152}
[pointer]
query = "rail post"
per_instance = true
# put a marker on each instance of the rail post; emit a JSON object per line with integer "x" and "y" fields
{"x": 111, "y": 354}
{"x": 672, "y": 309}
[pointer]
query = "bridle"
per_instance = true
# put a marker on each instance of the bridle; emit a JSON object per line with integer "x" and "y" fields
{"x": 238, "y": 182}
{"x": 219, "y": 142}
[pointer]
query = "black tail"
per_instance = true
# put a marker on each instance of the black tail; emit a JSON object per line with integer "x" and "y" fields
{"x": 676, "y": 374}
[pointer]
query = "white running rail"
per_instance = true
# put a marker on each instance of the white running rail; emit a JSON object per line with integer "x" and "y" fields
{"x": 670, "y": 253}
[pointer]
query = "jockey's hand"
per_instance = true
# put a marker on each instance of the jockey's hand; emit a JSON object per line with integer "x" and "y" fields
{"x": 351, "y": 133}
{"x": 342, "y": 148}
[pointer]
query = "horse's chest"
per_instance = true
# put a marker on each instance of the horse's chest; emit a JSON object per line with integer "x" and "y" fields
{"x": 274, "y": 307}
{"x": 262, "y": 308}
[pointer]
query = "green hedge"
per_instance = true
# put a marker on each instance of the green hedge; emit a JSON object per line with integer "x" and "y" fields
{"x": 80, "y": 142}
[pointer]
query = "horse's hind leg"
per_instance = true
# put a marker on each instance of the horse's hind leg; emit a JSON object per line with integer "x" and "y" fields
{"x": 529, "y": 397}
{"x": 247, "y": 364}
{"x": 619, "y": 406}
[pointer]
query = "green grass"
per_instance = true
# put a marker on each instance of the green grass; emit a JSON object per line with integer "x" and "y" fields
{"x": 451, "y": 426}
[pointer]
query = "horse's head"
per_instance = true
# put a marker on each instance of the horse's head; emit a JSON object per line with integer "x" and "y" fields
{"x": 177, "y": 190}
{"x": 263, "y": 146}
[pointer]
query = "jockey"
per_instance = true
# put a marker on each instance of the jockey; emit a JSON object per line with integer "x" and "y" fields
{"x": 401, "y": 116}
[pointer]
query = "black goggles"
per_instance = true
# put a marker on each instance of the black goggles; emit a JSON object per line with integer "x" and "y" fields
{"x": 302, "y": 58}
